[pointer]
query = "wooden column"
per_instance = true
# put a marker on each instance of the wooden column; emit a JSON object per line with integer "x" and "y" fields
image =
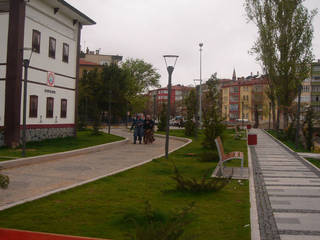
{"x": 14, "y": 72}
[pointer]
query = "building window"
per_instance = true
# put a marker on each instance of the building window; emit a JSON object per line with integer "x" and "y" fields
{"x": 49, "y": 107}
{"x": 52, "y": 47}
{"x": 65, "y": 53}
{"x": 36, "y": 36}
{"x": 33, "y": 107}
{"x": 63, "y": 113}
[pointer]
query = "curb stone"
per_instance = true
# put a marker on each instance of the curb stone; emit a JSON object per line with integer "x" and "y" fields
{"x": 54, "y": 156}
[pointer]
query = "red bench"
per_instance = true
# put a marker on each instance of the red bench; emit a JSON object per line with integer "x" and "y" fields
{"x": 224, "y": 157}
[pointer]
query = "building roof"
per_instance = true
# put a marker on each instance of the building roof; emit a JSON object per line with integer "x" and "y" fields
{"x": 83, "y": 62}
{"x": 246, "y": 82}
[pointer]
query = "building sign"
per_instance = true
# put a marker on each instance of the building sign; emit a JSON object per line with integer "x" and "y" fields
{"x": 50, "y": 79}
{"x": 50, "y": 91}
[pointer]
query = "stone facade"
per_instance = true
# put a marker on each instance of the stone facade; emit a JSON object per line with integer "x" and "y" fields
{"x": 1, "y": 139}
{"x": 39, "y": 134}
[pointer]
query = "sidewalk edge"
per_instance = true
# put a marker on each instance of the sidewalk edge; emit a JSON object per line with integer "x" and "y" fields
{"x": 54, "y": 156}
{"x": 255, "y": 228}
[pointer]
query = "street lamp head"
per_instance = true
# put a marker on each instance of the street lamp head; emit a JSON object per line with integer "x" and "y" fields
{"x": 170, "y": 61}
{"x": 27, "y": 60}
{"x": 201, "y": 45}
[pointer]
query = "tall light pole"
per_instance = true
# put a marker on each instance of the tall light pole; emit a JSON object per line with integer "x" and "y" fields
{"x": 200, "y": 90}
{"x": 170, "y": 61}
{"x": 26, "y": 63}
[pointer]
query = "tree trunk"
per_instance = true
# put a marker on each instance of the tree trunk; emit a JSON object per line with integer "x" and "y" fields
{"x": 278, "y": 116}
{"x": 285, "y": 117}
{"x": 273, "y": 106}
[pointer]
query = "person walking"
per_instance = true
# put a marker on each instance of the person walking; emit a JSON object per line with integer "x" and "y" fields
{"x": 148, "y": 130}
{"x": 138, "y": 132}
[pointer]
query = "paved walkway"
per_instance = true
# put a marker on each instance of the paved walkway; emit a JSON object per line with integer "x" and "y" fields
{"x": 36, "y": 180}
{"x": 287, "y": 192}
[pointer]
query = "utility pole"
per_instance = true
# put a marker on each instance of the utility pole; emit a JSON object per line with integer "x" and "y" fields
{"x": 200, "y": 90}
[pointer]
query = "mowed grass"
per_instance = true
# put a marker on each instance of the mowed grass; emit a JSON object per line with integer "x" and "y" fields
{"x": 101, "y": 209}
{"x": 315, "y": 162}
{"x": 83, "y": 139}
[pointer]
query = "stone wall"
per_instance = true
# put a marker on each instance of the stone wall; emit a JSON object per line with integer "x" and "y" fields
{"x": 39, "y": 134}
{"x": 1, "y": 139}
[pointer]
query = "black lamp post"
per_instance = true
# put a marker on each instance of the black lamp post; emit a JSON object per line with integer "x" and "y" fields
{"x": 170, "y": 61}
{"x": 26, "y": 63}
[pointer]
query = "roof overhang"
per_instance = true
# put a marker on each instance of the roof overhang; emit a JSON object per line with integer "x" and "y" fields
{"x": 4, "y": 6}
{"x": 73, "y": 12}
{"x": 62, "y": 7}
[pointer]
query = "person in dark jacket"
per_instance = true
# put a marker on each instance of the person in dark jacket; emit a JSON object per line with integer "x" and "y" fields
{"x": 148, "y": 130}
{"x": 137, "y": 125}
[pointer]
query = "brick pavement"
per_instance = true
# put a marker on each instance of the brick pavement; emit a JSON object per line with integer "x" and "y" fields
{"x": 33, "y": 181}
{"x": 287, "y": 192}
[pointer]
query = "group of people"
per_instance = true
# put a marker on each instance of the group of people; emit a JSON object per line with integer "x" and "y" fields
{"x": 143, "y": 129}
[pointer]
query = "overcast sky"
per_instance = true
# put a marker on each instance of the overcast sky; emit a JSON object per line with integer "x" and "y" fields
{"x": 148, "y": 29}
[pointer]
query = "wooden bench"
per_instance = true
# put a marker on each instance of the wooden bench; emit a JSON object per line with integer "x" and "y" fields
{"x": 224, "y": 157}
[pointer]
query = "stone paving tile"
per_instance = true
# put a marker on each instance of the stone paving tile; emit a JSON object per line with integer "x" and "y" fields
{"x": 298, "y": 237}
{"x": 267, "y": 173}
{"x": 307, "y": 191}
{"x": 262, "y": 164}
{"x": 292, "y": 181}
{"x": 284, "y": 168}
{"x": 306, "y": 221}
{"x": 296, "y": 203}
{"x": 37, "y": 179}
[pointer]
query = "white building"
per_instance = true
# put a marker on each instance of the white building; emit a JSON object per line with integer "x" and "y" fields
{"x": 52, "y": 28}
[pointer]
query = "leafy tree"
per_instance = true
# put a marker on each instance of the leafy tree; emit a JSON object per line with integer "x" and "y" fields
{"x": 191, "y": 104}
{"x": 283, "y": 46}
{"x": 90, "y": 92}
{"x": 143, "y": 74}
{"x": 212, "y": 119}
{"x": 98, "y": 88}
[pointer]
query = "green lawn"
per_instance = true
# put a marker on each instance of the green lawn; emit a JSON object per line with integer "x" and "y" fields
{"x": 314, "y": 161}
{"x": 83, "y": 139}
{"x": 99, "y": 209}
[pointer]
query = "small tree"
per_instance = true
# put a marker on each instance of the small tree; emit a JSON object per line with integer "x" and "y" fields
{"x": 4, "y": 181}
{"x": 309, "y": 128}
{"x": 212, "y": 119}
{"x": 163, "y": 118}
{"x": 191, "y": 104}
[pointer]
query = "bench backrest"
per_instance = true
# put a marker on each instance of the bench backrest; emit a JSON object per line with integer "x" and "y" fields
{"x": 219, "y": 147}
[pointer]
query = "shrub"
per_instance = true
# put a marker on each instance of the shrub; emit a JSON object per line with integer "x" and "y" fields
{"x": 155, "y": 228}
{"x": 191, "y": 104}
{"x": 209, "y": 156}
{"x": 204, "y": 185}
{"x": 4, "y": 181}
